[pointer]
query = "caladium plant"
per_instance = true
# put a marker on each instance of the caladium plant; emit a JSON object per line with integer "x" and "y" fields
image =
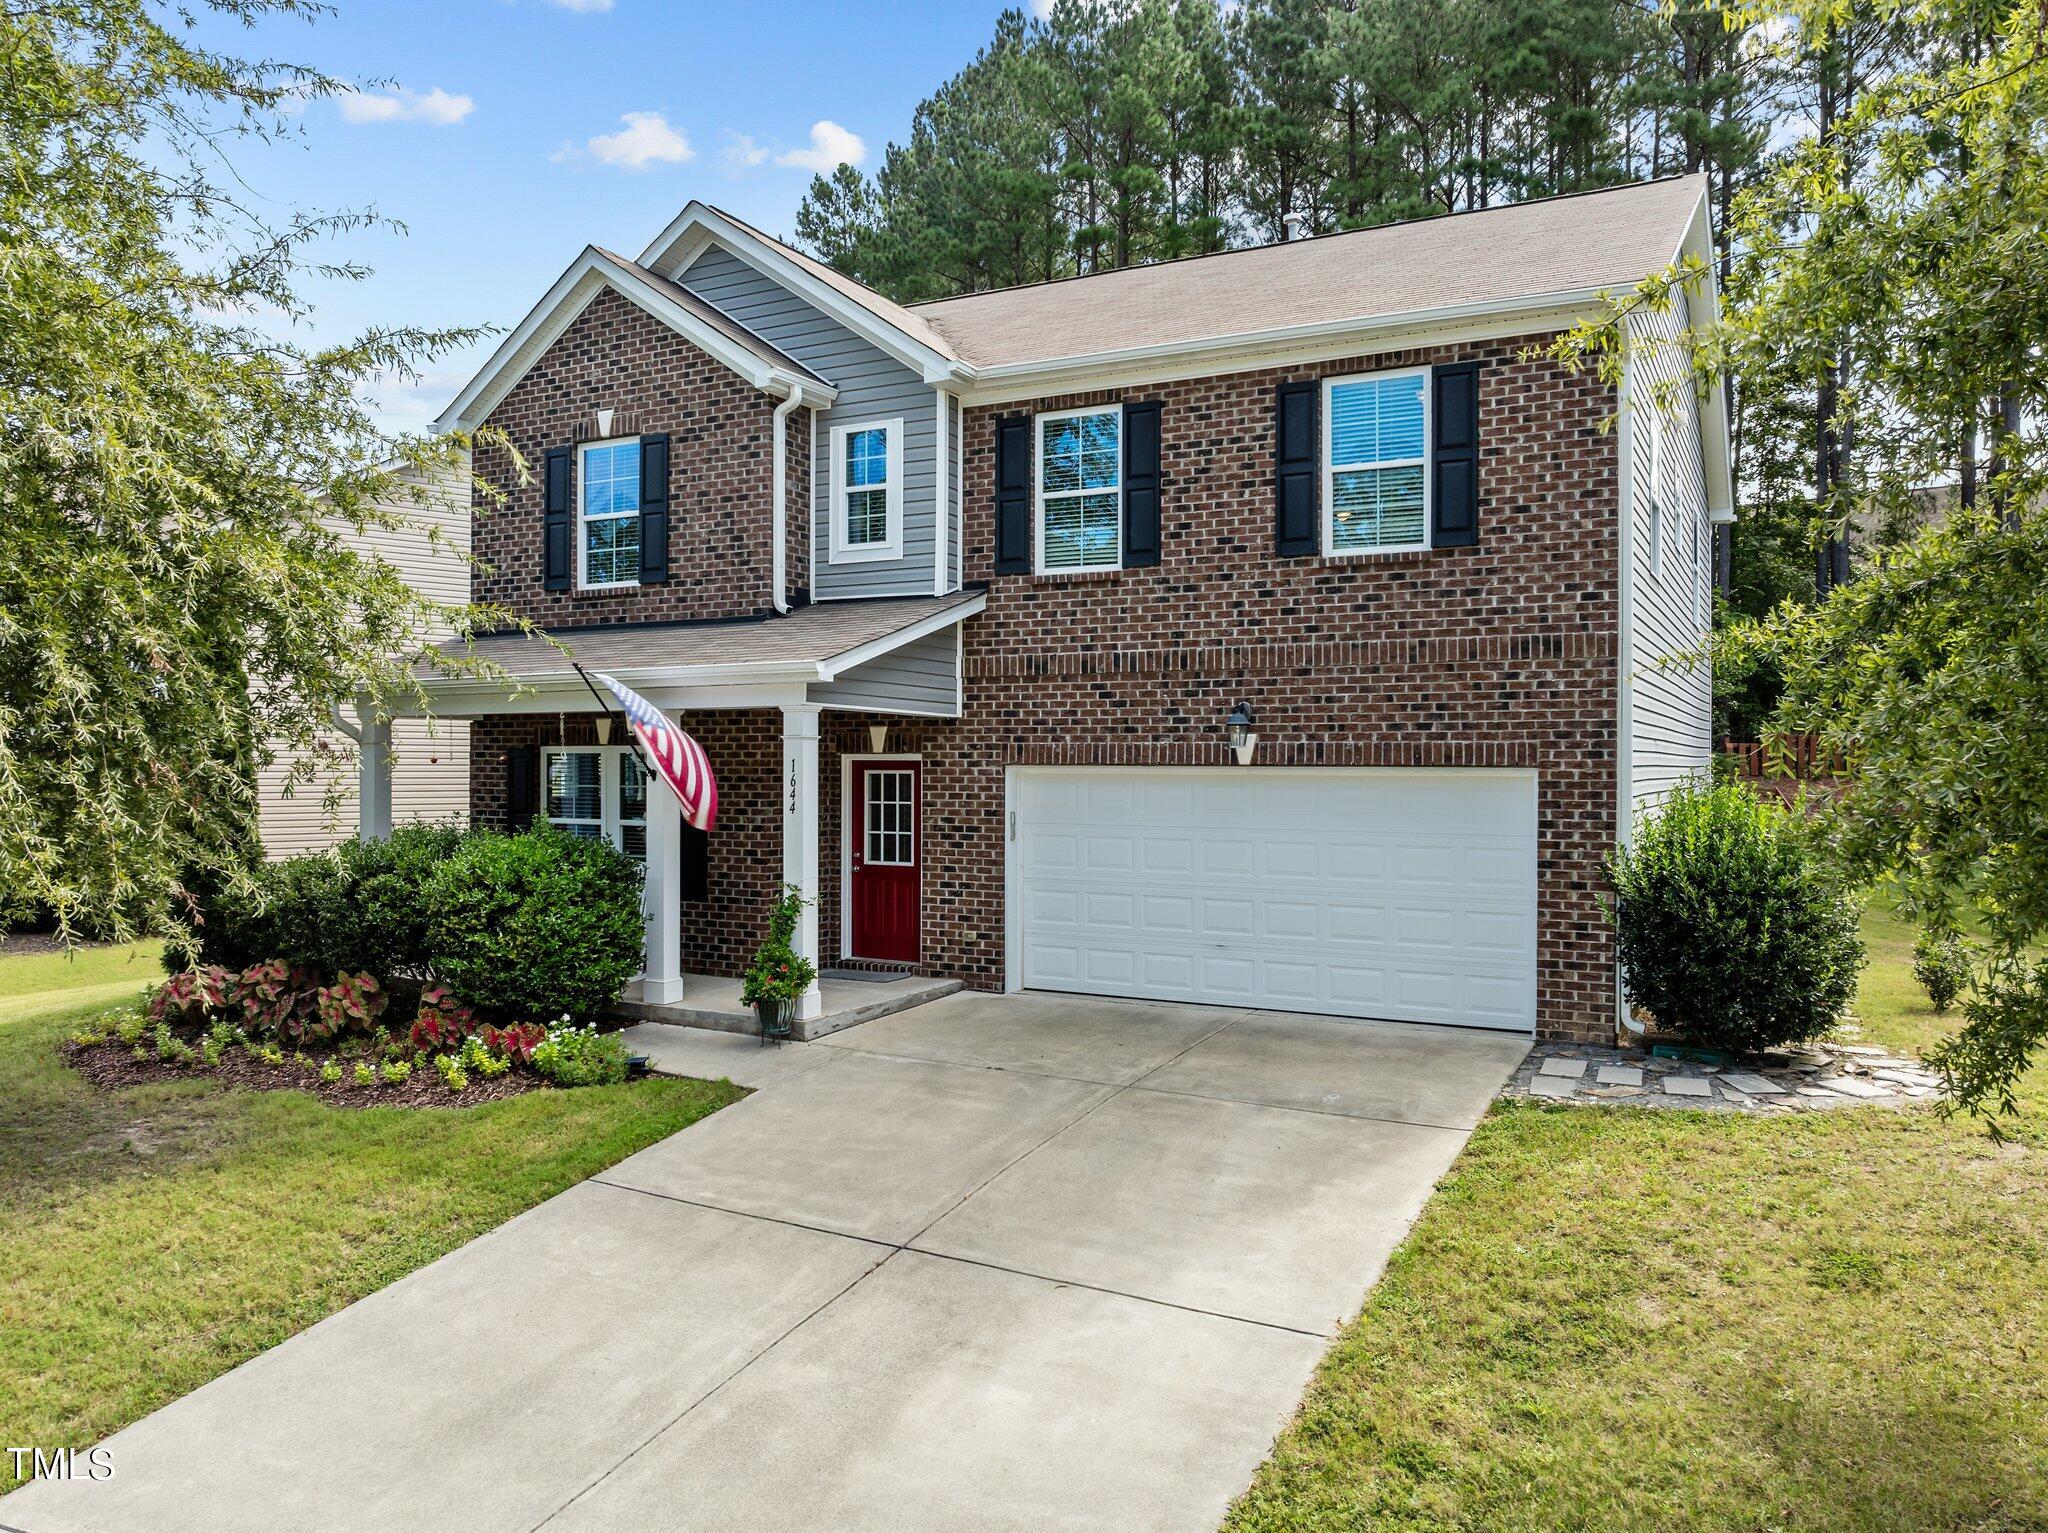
{"x": 193, "y": 997}
{"x": 277, "y": 998}
{"x": 352, "y": 1004}
{"x": 443, "y": 1021}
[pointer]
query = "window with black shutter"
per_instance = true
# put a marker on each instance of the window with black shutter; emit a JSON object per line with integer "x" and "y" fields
{"x": 1141, "y": 484}
{"x": 1297, "y": 470}
{"x": 1013, "y": 495}
{"x": 653, "y": 510}
{"x": 555, "y": 519}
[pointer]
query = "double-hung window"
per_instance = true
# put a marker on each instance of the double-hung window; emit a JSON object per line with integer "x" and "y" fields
{"x": 867, "y": 492}
{"x": 608, "y": 514}
{"x": 598, "y": 791}
{"x": 1080, "y": 489}
{"x": 1376, "y": 462}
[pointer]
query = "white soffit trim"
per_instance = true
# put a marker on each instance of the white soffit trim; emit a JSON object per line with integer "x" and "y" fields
{"x": 588, "y": 275}
{"x": 699, "y": 226}
{"x": 831, "y": 668}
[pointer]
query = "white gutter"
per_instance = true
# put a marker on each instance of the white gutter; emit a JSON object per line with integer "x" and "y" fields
{"x": 781, "y": 555}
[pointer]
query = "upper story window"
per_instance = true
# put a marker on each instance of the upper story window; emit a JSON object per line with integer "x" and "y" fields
{"x": 1375, "y": 462}
{"x": 867, "y": 491}
{"x": 598, "y": 791}
{"x": 1080, "y": 489}
{"x": 608, "y": 514}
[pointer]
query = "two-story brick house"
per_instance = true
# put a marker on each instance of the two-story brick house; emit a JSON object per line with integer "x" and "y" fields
{"x": 961, "y": 600}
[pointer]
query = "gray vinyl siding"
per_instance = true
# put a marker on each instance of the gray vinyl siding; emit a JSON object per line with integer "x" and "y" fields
{"x": 921, "y": 677}
{"x": 873, "y": 386}
{"x": 1670, "y": 611}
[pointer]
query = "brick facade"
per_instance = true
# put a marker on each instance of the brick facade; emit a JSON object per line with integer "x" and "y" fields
{"x": 615, "y": 356}
{"x": 1502, "y": 654}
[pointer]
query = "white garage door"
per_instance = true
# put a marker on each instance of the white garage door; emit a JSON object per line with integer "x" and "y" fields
{"x": 1406, "y": 895}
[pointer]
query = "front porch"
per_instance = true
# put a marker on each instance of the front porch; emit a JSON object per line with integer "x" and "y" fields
{"x": 752, "y": 693}
{"x": 713, "y": 1001}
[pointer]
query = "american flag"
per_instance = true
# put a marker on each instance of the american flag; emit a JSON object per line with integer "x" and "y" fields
{"x": 680, "y": 760}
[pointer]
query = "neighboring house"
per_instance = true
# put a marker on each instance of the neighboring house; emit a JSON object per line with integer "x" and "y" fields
{"x": 959, "y": 599}
{"x": 432, "y": 778}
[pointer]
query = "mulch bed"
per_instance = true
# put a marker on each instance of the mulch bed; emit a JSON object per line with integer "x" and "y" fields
{"x": 111, "y": 1066}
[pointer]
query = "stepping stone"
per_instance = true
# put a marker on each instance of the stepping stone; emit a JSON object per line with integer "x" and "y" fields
{"x": 1551, "y": 1086}
{"x": 1752, "y": 1085}
{"x": 1620, "y": 1075}
{"x": 1903, "y": 1077}
{"x": 1564, "y": 1069}
{"x": 1688, "y": 1086}
{"x": 1849, "y": 1086}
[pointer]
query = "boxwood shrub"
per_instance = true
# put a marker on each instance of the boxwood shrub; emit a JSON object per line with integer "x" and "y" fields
{"x": 1732, "y": 935}
{"x": 535, "y": 925}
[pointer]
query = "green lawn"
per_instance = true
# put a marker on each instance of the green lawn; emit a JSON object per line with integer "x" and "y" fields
{"x": 1637, "y": 1319}
{"x": 155, "y": 1237}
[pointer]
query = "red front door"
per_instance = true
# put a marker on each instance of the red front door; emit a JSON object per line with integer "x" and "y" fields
{"x": 888, "y": 844}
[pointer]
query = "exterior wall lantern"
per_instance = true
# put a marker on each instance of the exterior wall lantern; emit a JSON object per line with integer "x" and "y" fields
{"x": 604, "y": 729}
{"x": 1238, "y": 730}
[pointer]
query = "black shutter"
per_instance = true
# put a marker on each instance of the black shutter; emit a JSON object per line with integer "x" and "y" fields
{"x": 1013, "y": 495}
{"x": 696, "y": 880}
{"x": 1141, "y": 484}
{"x": 554, "y": 524}
{"x": 1454, "y": 459}
{"x": 1297, "y": 469}
{"x": 653, "y": 510}
{"x": 522, "y": 786}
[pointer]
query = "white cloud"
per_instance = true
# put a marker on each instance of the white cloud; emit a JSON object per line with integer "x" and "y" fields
{"x": 646, "y": 139}
{"x": 831, "y": 147}
{"x": 1041, "y": 8}
{"x": 435, "y": 106}
{"x": 581, "y": 5}
{"x": 741, "y": 152}
{"x": 410, "y": 404}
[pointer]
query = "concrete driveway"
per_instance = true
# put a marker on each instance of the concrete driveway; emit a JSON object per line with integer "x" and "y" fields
{"x": 998, "y": 1262}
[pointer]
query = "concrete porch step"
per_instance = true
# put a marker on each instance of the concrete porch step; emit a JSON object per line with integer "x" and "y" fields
{"x": 714, "y": 1003}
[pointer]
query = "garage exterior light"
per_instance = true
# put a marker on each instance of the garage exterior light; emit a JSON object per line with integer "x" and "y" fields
{"x": 1238, "y": 730}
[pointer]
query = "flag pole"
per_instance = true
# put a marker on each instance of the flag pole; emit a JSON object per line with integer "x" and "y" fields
{"x": 633, "y": 745}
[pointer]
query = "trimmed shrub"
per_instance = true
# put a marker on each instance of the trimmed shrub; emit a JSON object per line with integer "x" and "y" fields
{"x": 386, "y": 881}
{"x": 1731, "y": 934}
{"x": 537, "y": 924}
{"x": 1941, "y": 966}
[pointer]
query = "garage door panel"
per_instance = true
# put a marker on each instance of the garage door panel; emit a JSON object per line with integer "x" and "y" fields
{"x": 1362, "y": 893}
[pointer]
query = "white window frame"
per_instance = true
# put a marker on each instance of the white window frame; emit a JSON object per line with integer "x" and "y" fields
{"x": 1332, "y": 468}
{"x": 609, "y": 794}
{"x": 872, "y": 767}
{"x": 890, "y": 547}
{"x": 1038, "y": 563}
{"x": 584, "y": 519}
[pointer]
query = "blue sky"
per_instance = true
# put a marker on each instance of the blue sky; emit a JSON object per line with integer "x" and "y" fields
{"x": 510, "y": 133}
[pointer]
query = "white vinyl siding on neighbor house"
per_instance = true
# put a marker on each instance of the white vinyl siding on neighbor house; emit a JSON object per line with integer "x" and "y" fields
{"x": 430, "y": 780}
{"x": 608, "y": 514}
{"x": 1079, "y": 488}
{"x": 1376, "y": 462}
{"x": 596, "y": 791}
{"x": 1361, "y": 892}
{"x": 872, "y": 386}
{"x": 1669, "y": 709}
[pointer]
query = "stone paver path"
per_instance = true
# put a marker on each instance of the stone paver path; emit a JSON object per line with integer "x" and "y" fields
{"x": 1808, "y": 1079}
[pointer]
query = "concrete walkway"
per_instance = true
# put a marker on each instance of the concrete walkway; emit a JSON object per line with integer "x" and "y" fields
{"x": 998, "y": 1262}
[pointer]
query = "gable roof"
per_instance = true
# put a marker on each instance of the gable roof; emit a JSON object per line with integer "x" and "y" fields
{"x": 595, "y": 271}
{"x": 889, "y": 325}
{"x": 1556, "y": 250}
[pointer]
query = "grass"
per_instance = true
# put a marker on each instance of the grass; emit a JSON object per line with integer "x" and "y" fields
{"x": 157, "y": 1236}
{"x": 1622, "y": 1319}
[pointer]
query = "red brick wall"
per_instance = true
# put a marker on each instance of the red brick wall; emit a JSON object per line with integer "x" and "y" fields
{"x": 617, "y": 357}
{"x": 1499, "y": 655}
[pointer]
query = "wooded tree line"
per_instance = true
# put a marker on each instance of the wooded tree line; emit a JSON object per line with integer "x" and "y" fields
{"x": 1121, "y": 131}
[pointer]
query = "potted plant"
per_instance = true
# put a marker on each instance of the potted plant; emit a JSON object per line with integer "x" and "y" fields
{"x": 779, "y": 975}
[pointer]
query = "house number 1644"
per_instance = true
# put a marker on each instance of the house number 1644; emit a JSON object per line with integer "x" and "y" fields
{"x": 792, "y": 787}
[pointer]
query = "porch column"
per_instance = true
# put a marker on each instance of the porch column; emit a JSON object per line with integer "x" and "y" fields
{"x": 661, "y": 900}
{"x": 800, "y": 832}
{"x": 373, "y": 776}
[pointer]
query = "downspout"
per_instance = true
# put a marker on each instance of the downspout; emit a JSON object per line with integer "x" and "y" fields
{"x": 782, "y": 411}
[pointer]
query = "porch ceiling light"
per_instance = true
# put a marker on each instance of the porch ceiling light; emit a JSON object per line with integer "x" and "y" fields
{"x": 1237, "y": 729}
{"x": 604, "y": 729}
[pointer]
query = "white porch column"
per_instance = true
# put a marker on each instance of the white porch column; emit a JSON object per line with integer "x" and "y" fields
{"x": 800, "y": 832}
{"x": 373, "y": 776}
{"x": 661, "y": 973}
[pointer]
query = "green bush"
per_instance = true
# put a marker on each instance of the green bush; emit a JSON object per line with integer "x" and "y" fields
{"x": 354, "y": 909}
{"x": 539, "y": 924}
{"x": 581, "y": 1056}
{"x": 1731, "y": 934}
{"x": 1941, "y": 966}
